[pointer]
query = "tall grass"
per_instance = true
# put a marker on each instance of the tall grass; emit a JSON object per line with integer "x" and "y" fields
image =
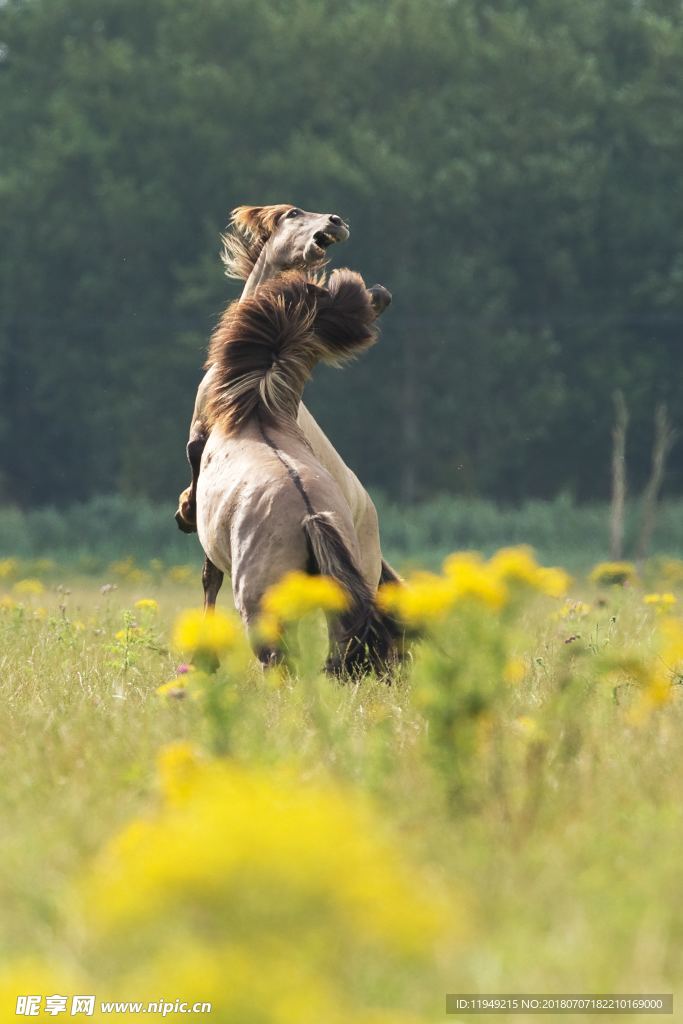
{"x": 522, "y": 777}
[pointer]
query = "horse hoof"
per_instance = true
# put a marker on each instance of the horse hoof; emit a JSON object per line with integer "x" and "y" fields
{"x": 183, "y": 524}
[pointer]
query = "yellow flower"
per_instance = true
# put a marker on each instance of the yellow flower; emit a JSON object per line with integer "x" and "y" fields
{"x": 178, "y": 766}
{"x": 212, "y": 632}
{"x": 29, "y": 588}
{"x": 552, "y": 581}
{"x": 661, "y": 601}
{"x": 516, "y": 564}
{"x": 671, "y": 649}
{"x": 272, "y": 850}
{"x": 8, "y": 567}
{"x": 297, "y": 594}
{"x": 476, "y": 581}
{"x": 459, "y": 560}
{"x": 423, "y": 598}
{"x": 147, "y": 604}
{"x": 607, "y": 573}
{"x": 7, "y": 604}
{"x": 514, "y": 671}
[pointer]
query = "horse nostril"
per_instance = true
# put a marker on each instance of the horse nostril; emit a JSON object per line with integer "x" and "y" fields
{"x": 334, "y": 219}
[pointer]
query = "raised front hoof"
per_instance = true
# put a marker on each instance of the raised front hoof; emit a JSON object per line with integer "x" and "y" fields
{"x": 185, "y": 523}
{"x": 380, "y": 298}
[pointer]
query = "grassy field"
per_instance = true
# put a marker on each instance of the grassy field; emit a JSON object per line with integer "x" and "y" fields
{"x": 506, "y": 816}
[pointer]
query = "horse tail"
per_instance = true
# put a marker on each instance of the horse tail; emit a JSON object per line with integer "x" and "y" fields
{"x": 366, "y": 640}
{"x": 265, "y": 347}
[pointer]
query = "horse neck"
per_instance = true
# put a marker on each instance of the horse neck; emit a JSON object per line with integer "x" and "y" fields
{"x": 263, "y": 271}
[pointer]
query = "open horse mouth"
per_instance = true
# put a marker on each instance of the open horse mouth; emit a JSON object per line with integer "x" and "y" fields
{"x": 322, "y": 240}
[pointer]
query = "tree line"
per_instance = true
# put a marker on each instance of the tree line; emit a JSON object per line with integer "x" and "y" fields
{"x": 510, "y": 170}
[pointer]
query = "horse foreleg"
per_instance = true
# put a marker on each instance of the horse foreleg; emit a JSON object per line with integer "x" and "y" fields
{"x": 212, "y": 581}
{"x": 186, "y": 516}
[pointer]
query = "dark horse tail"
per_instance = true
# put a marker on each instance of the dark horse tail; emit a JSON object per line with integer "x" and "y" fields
{"x": 367, "y": 640}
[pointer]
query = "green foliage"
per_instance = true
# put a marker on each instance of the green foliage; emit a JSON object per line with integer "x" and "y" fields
{"x": 510, "y": 170}
{"x": 91, "y": 535}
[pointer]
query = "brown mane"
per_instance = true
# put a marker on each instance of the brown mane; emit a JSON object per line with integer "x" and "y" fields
{"x": 266, "y": 346}
{"x": 249, "y": 229}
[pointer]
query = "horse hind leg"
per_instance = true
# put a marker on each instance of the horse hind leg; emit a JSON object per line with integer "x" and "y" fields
{"x": 269, "y": 653}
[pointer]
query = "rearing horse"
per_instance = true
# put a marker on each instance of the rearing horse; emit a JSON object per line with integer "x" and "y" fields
{"x": 265, "y": 503}
{"x": 262, "y": 243}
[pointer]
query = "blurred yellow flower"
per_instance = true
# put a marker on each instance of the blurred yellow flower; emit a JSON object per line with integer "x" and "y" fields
{"x": 211, "y": 632}
{"x": 613, "y": 573}
{"x": 29, "y": 588}
{"x": 426, "y": 597}
{"x": 7, "y": 604}
{"x": 178, "y": 765}
{"x": 478, "y": 582}
{"x": 515, "y": 670}
{"x": 147, "y": 604}
{"x": 422, "y": 598}
{"x": 516, "y": 564}
{"x": 459, "y": 560}
{"x": 552, "y": 581}
{"x": 671, "y": 644}
{"x": 297, "y": 594}
{"x": 260, "y": 849}
{"x": 661, "y": 601}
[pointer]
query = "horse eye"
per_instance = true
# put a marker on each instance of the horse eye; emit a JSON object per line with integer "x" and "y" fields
{"x": 294, "y": 213}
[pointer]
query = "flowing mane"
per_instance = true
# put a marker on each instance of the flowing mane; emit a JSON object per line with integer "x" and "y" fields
{"x": 266, "y": 346}
{"x": 249, "y": 229}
